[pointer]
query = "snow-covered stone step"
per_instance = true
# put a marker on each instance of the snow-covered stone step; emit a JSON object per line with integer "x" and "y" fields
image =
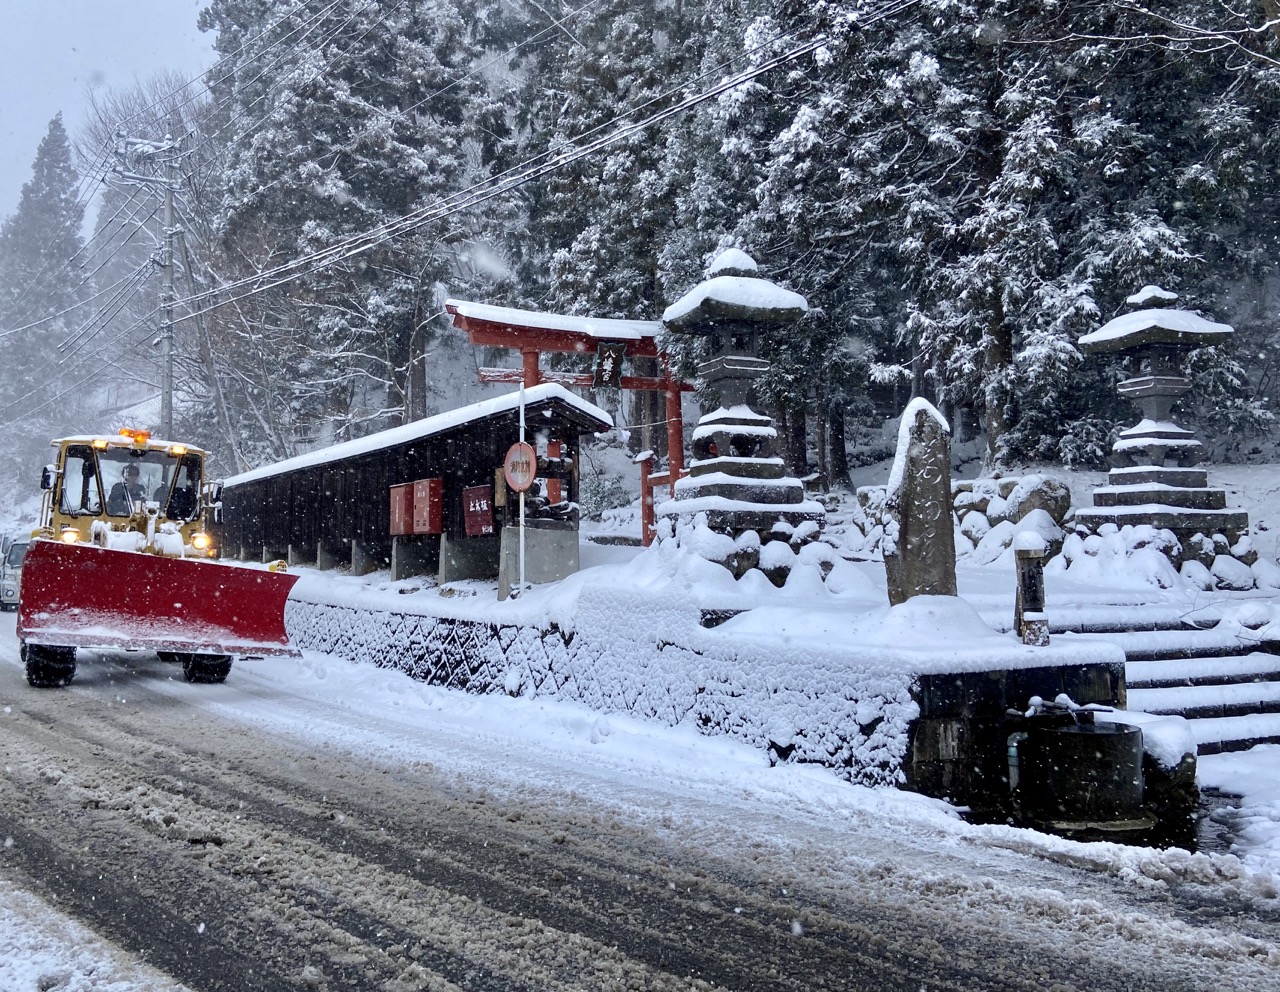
{"x": 1235, "y": 733}
{"x": 1122, "y": 619}
{"x": 1211, "y": 670}
{"x": 1209, "y": 701}
{"x": 1119, "y": 617}
{"x": 1142, "y": 645}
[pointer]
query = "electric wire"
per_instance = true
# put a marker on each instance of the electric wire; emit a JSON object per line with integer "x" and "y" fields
{"x": 488, "y": 189}
{"x": 87, "y": 186}
{"x": 119, "y": 247}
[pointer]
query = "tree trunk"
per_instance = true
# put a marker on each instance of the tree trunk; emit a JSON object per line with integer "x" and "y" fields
{"x": 998, "y": 359}
{"x": 417, "y": 372}
{"x": 839, "y": 452}
{"x": 820, "y": 432}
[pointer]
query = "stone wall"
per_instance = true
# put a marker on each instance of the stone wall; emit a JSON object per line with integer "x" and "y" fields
{"x": 803, "y": 709}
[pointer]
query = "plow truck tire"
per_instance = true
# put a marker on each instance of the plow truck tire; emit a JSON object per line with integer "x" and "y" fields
{"x": 49, "y": 667}
{"x": 206, "y": 669}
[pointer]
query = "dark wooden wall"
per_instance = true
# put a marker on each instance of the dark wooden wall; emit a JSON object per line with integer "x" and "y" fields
{"x": 349, "y": 499}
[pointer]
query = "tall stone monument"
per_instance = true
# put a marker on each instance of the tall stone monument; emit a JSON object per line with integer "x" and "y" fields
{"x": 922, "y": 560}
{"x": 736, "y": 476}
{"x": 1154, "y": 479}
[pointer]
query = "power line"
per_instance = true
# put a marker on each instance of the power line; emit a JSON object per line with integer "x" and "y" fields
{"x": 87, "y": 187}
{"x": 493, "y": 186}
{"x": 534, "y": 168}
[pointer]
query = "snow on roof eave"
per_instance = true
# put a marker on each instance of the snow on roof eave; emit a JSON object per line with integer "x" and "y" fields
{"x": 429, "y": 427}
{"x": 606, "y": 329}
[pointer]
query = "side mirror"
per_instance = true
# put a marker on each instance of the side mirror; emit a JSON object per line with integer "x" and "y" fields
{"x": 47, "y": 476}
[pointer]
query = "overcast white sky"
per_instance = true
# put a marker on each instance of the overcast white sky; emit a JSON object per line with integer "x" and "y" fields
{"x": 53, "y": 51}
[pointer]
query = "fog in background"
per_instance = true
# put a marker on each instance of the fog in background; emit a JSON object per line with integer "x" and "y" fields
{"x": 53, "y": 53}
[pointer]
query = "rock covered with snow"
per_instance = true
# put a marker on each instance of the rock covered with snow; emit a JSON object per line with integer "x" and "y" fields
{"x": 978, "y": 508}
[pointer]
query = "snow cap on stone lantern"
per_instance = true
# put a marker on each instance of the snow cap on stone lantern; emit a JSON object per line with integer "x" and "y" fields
{"x": 733, "y": 307}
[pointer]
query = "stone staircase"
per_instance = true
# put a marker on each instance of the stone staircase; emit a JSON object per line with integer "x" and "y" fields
{"x": 1226, "y": 683}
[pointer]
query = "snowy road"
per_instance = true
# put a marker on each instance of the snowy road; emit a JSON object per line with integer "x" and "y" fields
{"x": 314, "y": 825}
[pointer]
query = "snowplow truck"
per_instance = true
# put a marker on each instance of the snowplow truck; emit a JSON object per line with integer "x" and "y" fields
{"x": 124, "y": 558}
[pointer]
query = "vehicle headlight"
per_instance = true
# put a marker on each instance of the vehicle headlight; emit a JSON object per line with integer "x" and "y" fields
{"x": 201, "y": 542}
{"x": 69, "y": 535}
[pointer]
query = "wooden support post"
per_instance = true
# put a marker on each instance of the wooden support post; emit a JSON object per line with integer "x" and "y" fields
{"x": 675, "y": 430}
{"x": 532, "y": 375}
{"x": 644, "y": 459}
{"x": 554, "y": 491}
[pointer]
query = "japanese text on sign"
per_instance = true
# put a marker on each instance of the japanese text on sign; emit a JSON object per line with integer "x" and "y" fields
{"x": 477, "y": 510}
{"x": 608, "y": 370}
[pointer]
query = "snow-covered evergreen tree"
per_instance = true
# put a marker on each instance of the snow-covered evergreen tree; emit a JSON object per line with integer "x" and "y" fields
{"x": 43, "y": 284}
{"x": 365, "y": 119}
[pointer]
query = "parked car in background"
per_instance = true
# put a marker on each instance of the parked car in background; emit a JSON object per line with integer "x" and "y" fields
{"x": 11, "y": 572}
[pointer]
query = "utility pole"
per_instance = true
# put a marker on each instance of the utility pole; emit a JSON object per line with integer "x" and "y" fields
{"x": 166, "y": 311}
{"x": 131, "y": 153}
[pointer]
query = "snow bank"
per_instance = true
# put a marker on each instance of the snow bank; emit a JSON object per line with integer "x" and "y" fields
{"x": 813, "y": 674}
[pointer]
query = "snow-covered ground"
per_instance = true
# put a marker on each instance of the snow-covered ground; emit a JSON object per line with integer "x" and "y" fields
{"x": 523, "y": 745}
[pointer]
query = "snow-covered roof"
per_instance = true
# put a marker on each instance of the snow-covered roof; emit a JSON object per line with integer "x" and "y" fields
{"x": 429, "y": 426}
{"x": 596, "y": 327}
{"x": 737, "y": 296}
{"x": 1154, "y": 327}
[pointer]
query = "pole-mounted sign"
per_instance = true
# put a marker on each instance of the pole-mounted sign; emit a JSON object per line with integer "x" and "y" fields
{"x": 520, "y": 467}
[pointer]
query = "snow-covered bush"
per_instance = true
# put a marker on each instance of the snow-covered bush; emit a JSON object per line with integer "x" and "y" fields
{"x": 603, "y": 491}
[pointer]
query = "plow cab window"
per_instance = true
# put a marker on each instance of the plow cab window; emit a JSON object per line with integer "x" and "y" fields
{"x": 183, "y": 501}
{"x": 132, "y": 479}
{"x": 17, "y": 552}
{"x": 81, "y": 493}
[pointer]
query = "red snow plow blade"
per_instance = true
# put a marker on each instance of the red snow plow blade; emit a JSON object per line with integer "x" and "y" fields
{"x": 81, "y": 595}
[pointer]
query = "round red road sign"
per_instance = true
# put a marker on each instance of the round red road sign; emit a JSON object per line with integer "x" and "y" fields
{"x": 520, "y": 466}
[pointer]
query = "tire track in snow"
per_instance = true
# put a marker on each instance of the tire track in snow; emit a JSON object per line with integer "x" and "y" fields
{"x": 506, "y": 883}
{"x": 405, "y": 855}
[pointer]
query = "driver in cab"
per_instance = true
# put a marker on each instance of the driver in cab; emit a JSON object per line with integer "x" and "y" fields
{"x": 127, "y": 493}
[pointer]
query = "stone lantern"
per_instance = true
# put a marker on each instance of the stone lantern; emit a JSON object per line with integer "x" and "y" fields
{"x": 1155, "y": 479}
{"x": 736, "y": 475}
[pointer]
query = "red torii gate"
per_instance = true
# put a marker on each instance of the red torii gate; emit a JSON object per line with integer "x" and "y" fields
{"x": 531, "y": 333}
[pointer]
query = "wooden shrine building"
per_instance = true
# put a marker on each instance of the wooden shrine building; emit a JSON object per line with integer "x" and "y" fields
{"x": 425, "y": 497}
